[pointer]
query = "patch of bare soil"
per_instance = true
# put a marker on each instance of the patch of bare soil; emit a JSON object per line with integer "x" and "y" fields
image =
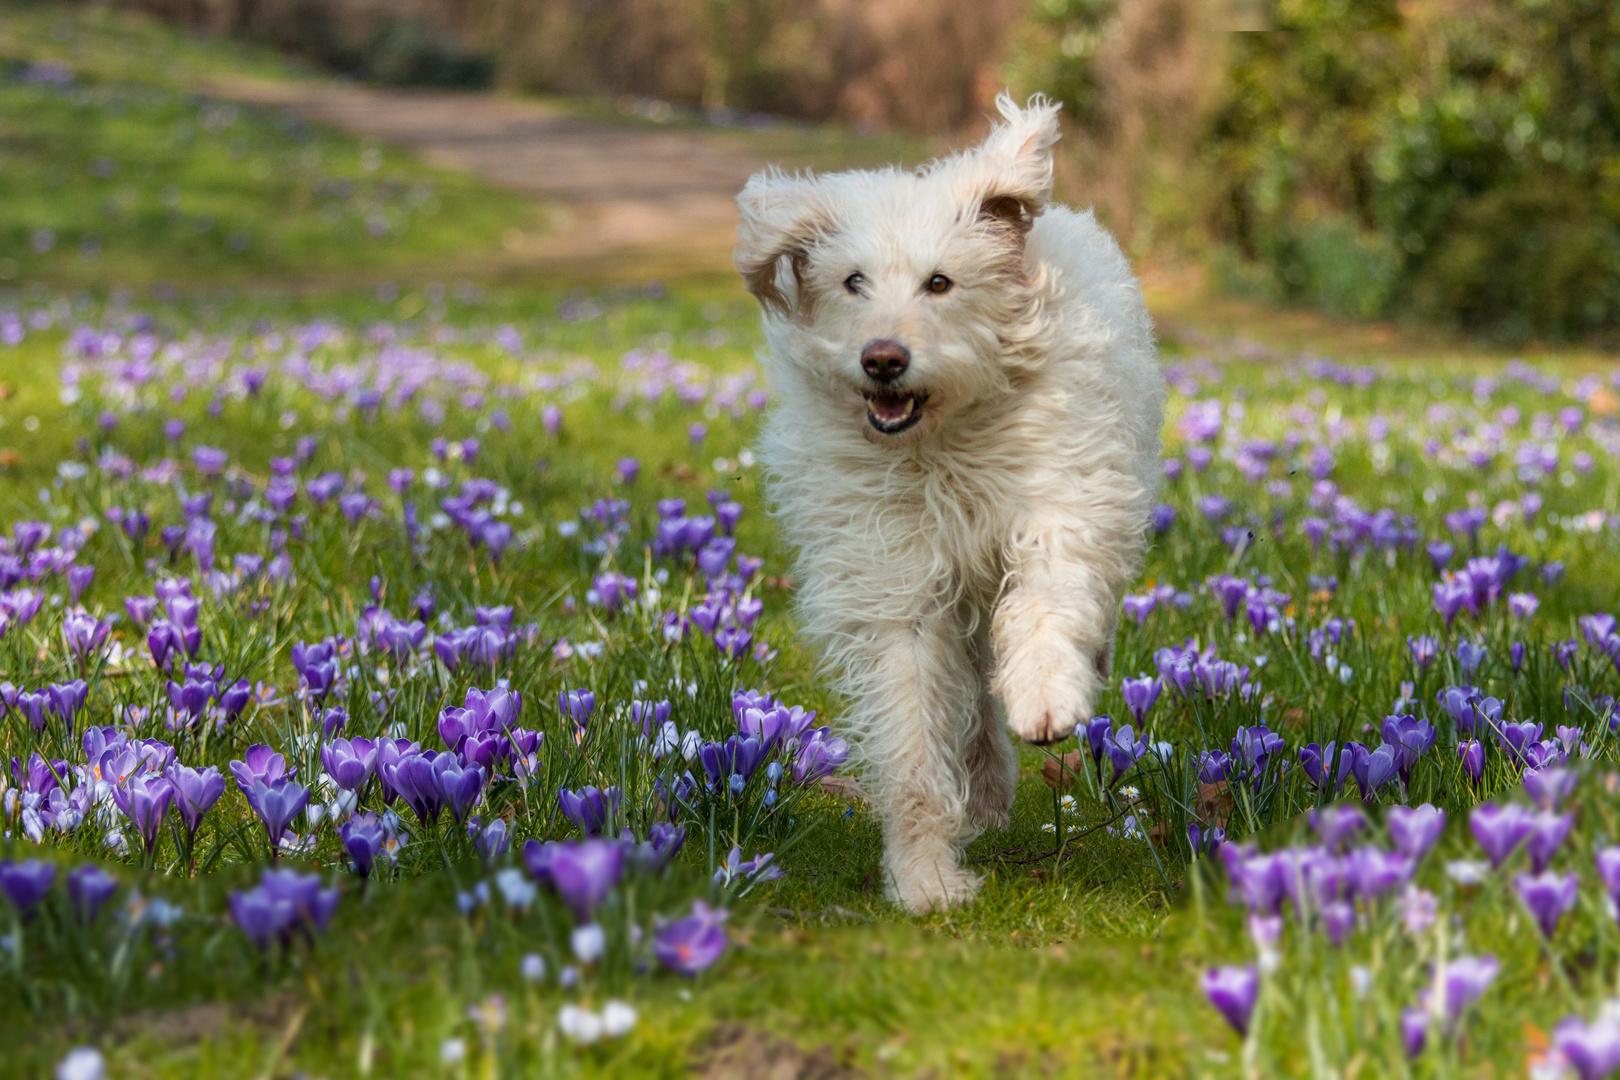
{"x": 613, "y": 191}
{"x": 739, "y": 1052}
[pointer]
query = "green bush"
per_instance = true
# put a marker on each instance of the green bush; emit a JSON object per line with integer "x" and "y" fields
{"x": 1463, "y": 167}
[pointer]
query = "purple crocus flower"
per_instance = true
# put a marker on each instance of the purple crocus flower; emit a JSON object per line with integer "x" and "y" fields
{"x": 363, "y": 837}
{"x": 1337, "y": 825}
{"x": 820, "y": 754}
{"x": 26, "y": 883}
{"x": 1233, "y": 990}
{"x": 1547, "y": 833}
{"x": 416, "y": 779}
{"x": 1470, "y": 655}
{"x": 1140, "y": 696}
{"x": 85, "y": 635}
{"x": 1592, "y": 1050}
{"x": 537, "y": 860}
{"x": 277, "y": 804}
{"x": 79, "y": 579}
{"x": 577, "y": 706}
{"x": 1472, "y": 754}
{"x": 1450, "y": 597}
{"x": 145, "y": 800}
{"x": 664, "y": 842}
{"x": 1608, "y": 868}
{"x": 1096, "y": 732}
{"x": 1500, "y": 829}
{"x": 1517, "y": 738}
{"x": 89, "y": 888}
{"x": 1373, "y": 768}
{"x": 1124, "y": 750}
{"x": 1414, "y": 829}
{"x": 67, "y": 699}
{"x": 691, "y": 945}
{"x": 283, "y": 903}
{"x": 1460, "y": 983}
{"x": 349, "y": 762}
{"x": 584, "y": 872}
{"x": 589, "y": 808}
{"x": 459, "y": 785}
{"x": 195, "y": 793}
{"x": 1411, "y": 739}
{"x": 1414, "y": 1031}
{"x": 1548, "y": 896}
{"x": 1318, "y": 764}
{"x": 140, "y": 609}
{"x": 1377, "y": 873}
{"x": 1213, "y": 767}
{"x": 1440, "y": 553}
{"x": 1549, "y": 787}
{"x": 262, "y": 765}
{"x": 1423, "y": 650}
{"x": 490, "y": 841}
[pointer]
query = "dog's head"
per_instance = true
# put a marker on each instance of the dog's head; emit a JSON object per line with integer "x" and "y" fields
{"x": 905, "y": 295}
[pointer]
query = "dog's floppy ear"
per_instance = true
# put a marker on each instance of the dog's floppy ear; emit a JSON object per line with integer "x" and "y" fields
{"x": 1009, "y": 177}
{"x": 782, "y": 216}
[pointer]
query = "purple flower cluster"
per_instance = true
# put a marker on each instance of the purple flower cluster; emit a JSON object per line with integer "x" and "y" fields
{"x": 284, "y": 905}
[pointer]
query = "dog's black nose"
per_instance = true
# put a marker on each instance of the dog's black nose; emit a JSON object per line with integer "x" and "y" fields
{"x": 885, "y": 360}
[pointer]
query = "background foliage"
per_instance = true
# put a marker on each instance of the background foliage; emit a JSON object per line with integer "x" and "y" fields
{"x": 1464, "y": 167}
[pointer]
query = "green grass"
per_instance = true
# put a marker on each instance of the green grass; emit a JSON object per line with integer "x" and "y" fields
{"x": 1081, "y": 961}
{"x": 115, "y": 170}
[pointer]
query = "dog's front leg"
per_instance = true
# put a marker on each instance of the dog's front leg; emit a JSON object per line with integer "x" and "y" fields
{"x": 1053, "y": 630}
{"x": 915, "y": 689}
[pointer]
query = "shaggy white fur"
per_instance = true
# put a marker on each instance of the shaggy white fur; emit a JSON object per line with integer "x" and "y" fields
{"x": 965, "y": 529}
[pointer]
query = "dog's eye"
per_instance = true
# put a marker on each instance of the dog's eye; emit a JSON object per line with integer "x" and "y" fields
{"x": 938, "y": 284}
{"x": 853, "y": 283}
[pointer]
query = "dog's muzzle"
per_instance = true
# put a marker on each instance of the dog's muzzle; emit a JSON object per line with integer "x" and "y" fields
{"x": 894, "y": 411}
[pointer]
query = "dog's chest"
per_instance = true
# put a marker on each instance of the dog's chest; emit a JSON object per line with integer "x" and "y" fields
{"x": 961, "y": 517}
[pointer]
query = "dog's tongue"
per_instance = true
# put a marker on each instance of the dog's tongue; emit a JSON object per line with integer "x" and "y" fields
{"x": 891, "y": 408}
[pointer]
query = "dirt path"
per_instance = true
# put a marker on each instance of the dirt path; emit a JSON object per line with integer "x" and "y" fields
{"x": 616, "y": 195}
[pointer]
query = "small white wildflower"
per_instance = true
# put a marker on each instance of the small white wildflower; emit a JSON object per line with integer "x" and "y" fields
{"x": 534, "y": 967}
{"x": 451, "y": 1051}
{"x": 589, "y": 942}
{"x": 82, "y": 1063}
{"x": 618, "y": 1018}
{"x": 1047, "y": 826}
{"x": 580, "y": 1025}
{"x": 1360, "y": 980}
{"x": 1467, "y": 871}
{"x": 518, "y": 890}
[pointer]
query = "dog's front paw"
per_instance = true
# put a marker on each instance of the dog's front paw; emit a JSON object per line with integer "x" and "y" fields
{"x": 1045, "y": 709}
{"x": 933, "y": 886}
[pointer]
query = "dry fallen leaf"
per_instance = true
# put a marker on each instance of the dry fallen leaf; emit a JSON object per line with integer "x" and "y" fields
{"x": 843, "y": 787}
{"x": 1060, "y": 776}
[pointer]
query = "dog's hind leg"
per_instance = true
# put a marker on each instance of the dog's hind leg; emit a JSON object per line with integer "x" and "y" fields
{"x": 989, "y": 758}
{"x": 915, "y": 695}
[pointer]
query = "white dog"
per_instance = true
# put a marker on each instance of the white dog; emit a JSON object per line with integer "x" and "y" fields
{"x": 964, "y": 451}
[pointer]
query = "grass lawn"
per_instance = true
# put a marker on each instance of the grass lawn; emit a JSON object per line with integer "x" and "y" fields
{"x": 256, "y": 432}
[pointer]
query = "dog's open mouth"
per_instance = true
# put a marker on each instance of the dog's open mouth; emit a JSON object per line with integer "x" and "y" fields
{"x": 893, "y": 411}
